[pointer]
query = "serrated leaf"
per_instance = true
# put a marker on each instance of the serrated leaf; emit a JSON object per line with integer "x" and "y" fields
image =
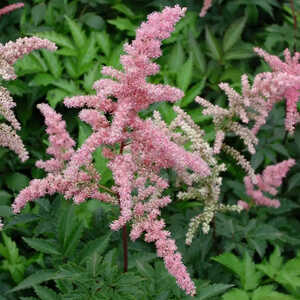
{"x": 101, "y": 166}
{"x": 67, "y": 52}
{"x": 5, "y": 211}
{"x": 55, "y": 96}
{"x": 41, "y": 79}
{"x": 37, "y": 278}
{"x": 123, "y": 24}
{"x": 38, "y": 13}
{"x": 198, "y": 56}
{"x": 83, "y": 133}
{"x": 92, "y": 20}
{"x": 103, "y": 41}
{"x": 16, "y": 181}
{"x": 145, "y": 269}
{"x": 76, "y": 32}
{"x": 294, "y": 181}
{"x": 42, "y": 245}
{"x": 114, "y": 58}
{"x": 176, "y": 57}
{"x": 230, "y": 261}
{"x": 90, "y": 77}
{"x": 213, "y": 45}
{"x": 236, "y": 294}
{"x": 67, "y": 85}
{"x": 45, "y": 293}
{"x": 233, "y": 33}
{"x": 53, "y": 63}
{"x": 5, "y": 197}
{"x": 184, "y": 76}
{"x": 279, "y": 148}
{"x": 98, "y": 245}
{"x": 192, "y": 93}
{"x": 124, "y": 9}
{"x": 57, "y": 38}
{"x": 88, "y": 52}
{"x": 212, "y": 291}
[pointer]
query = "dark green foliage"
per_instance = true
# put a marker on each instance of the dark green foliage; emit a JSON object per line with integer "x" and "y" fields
{"x": 55, "y": 250}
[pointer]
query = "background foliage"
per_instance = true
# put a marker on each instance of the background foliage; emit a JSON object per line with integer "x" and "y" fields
{"x": 54, "y": 250}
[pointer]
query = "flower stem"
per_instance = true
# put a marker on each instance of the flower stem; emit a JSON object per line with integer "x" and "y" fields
{"x": 124, "y": 231}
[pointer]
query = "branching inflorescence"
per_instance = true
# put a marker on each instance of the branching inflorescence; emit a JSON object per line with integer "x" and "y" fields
{"x": 9, "y": 53}
{"x": 139, "y": 149}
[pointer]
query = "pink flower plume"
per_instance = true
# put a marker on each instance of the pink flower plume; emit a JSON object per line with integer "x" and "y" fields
{"x": 7, "y": 9}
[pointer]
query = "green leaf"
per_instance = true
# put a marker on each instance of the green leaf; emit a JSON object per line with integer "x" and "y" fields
{"x": 192, "y": 93}
{"x": 212, "y": 291}
{"x": 55, "y": 96}
{"x": 176, "y": 58}
{"x": 57, "y": 38}
{"x": 53, "y": 63}
{"x": 267, "y": 293}
{"x": 198, "y": 56}
{"x": 92, "y": 20}
{"x": 16, "y": 181}
{"x": 5, "y": 211}
{"x": 41, "y": 79}
{"x": 213, "y": 45}
{"x": 98, "y": 246}
{"x": 84, "y": 132}
{"x": 45, "y": 293}
{"x": 166, "y": 112}
{"x": 37, "y": 278}
{"x": 76, "y": 32}
{"x": 30, "y": 64}
{"x": 245, "y": 269}
{"x": 294, "y": 181}
{"x": 124, "y": 9}
{"x": 145, "y": 269}
{"x": 71, "y": 64}
{"x": 5, "y": 197}
{"x": 230, "y": 261}
{"x": 88, "y": 53}
{"x": 236, "y": 294}
{"x": 103, "y": 41}
{"x": 38, "y": 13}
{"x": 69, "y": 86}
{"x": 9, "y": 249}
{"x": 114, "y": 59}
{"x": 123, "y": 24}
{"x": 101, "y": 166}
{"x": 184, "y": 76}
{"x": 233, "y": 33}
{"x": 67, "y": 52}
{"x": 279, "y": 148}
{"x": 42, "y": 245}
{"x": 90, "y": 77}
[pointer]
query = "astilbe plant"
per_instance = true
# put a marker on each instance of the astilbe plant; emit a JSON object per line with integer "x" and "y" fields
{"x": 9, "y": 53}
{"x": 138, "y": 149}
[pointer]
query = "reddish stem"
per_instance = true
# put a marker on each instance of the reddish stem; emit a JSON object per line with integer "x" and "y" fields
{"x": 125, "y": 248}
{"x": 124, "y": 231}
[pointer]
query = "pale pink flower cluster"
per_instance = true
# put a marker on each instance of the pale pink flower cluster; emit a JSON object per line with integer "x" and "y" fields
{"x": 9, "y": 8}
{"x": 206, "y": 5}
{"x": 61, "y": 144}
{"x": 289, "y": 82}
{"x": 12, "y": 51}
{"x": 268, "y": 181}
{"x": 137, "y": 149}
{"x": 9, "y": 53}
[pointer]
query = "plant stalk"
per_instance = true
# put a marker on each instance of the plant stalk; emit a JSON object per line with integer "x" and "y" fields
{"x": 124, "y": 231}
